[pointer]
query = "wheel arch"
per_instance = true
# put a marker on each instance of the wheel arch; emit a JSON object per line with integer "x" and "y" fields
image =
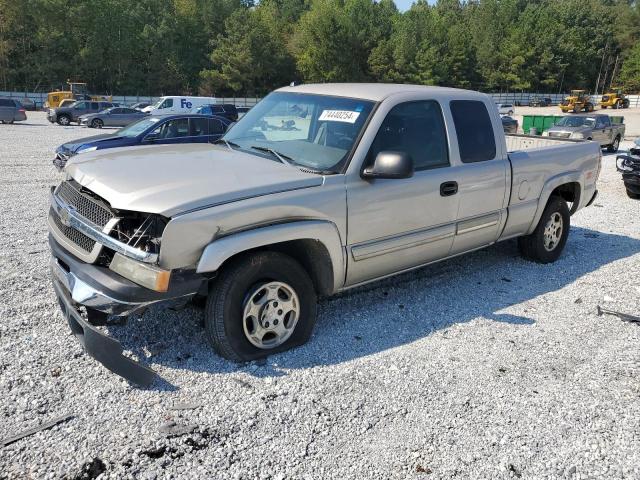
{"x": 315, "y": 244}
{"x": 566, "y": 186}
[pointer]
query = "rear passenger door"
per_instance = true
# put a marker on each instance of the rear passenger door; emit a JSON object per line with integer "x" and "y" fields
{"x": 482, "y": 175}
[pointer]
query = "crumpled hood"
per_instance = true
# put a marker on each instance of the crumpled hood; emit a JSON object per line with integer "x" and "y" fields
{"x": 173, "y": 179}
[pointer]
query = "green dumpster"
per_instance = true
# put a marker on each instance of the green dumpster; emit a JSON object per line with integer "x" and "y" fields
{"x": 540, "y": 122}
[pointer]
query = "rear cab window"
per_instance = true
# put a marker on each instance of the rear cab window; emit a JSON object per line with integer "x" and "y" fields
{"x": 474, "y": 129}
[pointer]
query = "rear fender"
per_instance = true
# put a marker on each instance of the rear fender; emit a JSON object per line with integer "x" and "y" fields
{"x": 549, "y": 187}
{"x": 220, "y": 250}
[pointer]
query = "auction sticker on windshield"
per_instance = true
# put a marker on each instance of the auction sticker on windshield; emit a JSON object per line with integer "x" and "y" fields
{"x": 339, "y": 116}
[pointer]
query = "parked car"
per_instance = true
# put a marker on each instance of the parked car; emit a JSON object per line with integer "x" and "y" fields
{"x": 227, "y": 110}
{"x": 11, "y": 110}
{"x": 147, "y": 131}
{"x": 506, "y": 109}
{"x": 300, "y": 202}
{"x": 72, "y": 113}
{"x": 140, "y": 105}
{"x": 112, "y": 117}
{"x": 177, "y": 104}
{"x": 509, "y": 124}
{"x": 540, "y": 102}
{"x": 28, "y": 104}
{"x": 629, "y": 166}
{"x": 242, "y": 111}
{"x": 598, "y": 128}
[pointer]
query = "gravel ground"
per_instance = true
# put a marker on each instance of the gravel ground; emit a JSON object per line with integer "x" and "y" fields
{"x": 485, "y": 366}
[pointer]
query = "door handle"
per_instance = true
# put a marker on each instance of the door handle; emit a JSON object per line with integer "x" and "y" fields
{"x": 448, "y": 188}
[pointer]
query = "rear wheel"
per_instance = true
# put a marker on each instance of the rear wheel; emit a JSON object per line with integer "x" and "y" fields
{"x": 261, "y": 304}
{"x": 64, "y": 120}
{"x": 97, "y": 123}
{"x": 589, "y": 107}
{"x": 614, "y": 146}
{"x": 546, "y": 242}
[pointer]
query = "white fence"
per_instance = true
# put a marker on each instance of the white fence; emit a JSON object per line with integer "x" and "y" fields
{"x": 520, "y": 98}
{"x": 523, "y": 98}
{"x": 40, "y": 98}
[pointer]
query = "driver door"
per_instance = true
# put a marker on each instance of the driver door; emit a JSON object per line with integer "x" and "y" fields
{"x": 397, "y": 224}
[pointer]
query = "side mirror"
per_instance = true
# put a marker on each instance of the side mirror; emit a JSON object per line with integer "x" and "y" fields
{"x": 390, "y": 165}
{"x": 151, "y": 137}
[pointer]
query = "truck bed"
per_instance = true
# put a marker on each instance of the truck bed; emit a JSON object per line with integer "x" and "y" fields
{"x": 516, "y": 142}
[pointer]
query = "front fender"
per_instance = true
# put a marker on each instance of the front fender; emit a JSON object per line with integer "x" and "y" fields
{"x": 220, "y": 250}
{"x": 550, "y": 185}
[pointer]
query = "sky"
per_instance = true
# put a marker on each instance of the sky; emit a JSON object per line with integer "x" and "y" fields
{"x": 403, "y": 5}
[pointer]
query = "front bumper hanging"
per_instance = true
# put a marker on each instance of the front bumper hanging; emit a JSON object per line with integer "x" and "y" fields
{"x": 104, "y": 349}
{"x": 77, "y": 283}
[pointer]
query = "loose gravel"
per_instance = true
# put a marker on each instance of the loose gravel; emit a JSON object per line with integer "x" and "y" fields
{"x": 484, "y": 366}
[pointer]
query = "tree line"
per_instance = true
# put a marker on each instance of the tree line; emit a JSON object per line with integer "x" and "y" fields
{"x": 226, "y": 47}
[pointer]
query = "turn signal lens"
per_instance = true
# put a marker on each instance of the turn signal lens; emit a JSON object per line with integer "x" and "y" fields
{"x": 148, "y": 276}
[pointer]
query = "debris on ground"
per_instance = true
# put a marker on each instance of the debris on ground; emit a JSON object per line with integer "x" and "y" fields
{"x": 34, "y": 430}
{"x": 626, "y": 317}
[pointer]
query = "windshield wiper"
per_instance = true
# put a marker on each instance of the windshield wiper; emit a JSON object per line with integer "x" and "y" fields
{"x": 227, "y": 143}
{"x": 287, "y": 160}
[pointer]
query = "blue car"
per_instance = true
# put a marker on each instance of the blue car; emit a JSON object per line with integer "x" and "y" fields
{"x": 155, "y": 129}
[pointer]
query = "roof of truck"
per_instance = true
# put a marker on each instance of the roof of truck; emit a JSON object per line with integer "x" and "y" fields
{"x": 367, "y": 91}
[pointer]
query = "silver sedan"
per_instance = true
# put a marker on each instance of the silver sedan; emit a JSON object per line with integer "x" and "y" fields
{"x": 112, "y": 117}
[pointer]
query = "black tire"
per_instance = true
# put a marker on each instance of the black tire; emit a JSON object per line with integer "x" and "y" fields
{"x": 64, "y": 120}
{"x": 532, "y": 247}
{"x": 612, "y": 148}
{"x": 97, "y": 123}
{"x": 227, "y": 295}
{"x": 634, "y": 195}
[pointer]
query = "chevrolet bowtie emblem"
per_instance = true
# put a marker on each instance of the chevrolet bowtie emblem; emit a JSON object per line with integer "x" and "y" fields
{"x": 64, "y": 217}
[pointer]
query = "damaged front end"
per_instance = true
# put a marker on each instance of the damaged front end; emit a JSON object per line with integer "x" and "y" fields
{"x": 105, "y": 262}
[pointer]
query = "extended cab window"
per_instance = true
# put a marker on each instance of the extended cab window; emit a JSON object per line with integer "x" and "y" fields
{"x": 416, "y": 128}
{"x": 474, "y": 129}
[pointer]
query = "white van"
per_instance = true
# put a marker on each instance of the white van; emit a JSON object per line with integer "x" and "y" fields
{"x": 177, "y": 104}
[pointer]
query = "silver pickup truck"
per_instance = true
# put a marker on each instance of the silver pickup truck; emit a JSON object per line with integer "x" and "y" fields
{"x": 317, "y": 189}
{"x": 598, "y": 128}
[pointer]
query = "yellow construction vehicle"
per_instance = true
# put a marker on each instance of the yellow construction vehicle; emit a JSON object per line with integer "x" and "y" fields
{"x": 77, "y": 91}
{"x": 578, "y": 101}
{"x": 614, "y": 98}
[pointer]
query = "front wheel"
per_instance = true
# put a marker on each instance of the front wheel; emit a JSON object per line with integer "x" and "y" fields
{"x": 97, "y": 123}
{"x": 64, "y": 120}
{"x": 261, "y": 304}
{"x": 614, "y": 146}
{"x": 546, "y": 242}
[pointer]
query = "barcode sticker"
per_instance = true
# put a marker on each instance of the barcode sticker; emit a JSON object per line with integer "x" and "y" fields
{"x": 339, "y": 116}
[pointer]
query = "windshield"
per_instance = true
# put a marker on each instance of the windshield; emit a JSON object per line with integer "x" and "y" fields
{"x": 576, "y": 122}
{"x": 135, "y": 129}
{"x": 157, "y": 104}
{"x": 313, "y": 131}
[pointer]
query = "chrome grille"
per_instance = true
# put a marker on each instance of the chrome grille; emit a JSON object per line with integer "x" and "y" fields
{"x": 85, "y": 205}
{"x": 78, "y": 238}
